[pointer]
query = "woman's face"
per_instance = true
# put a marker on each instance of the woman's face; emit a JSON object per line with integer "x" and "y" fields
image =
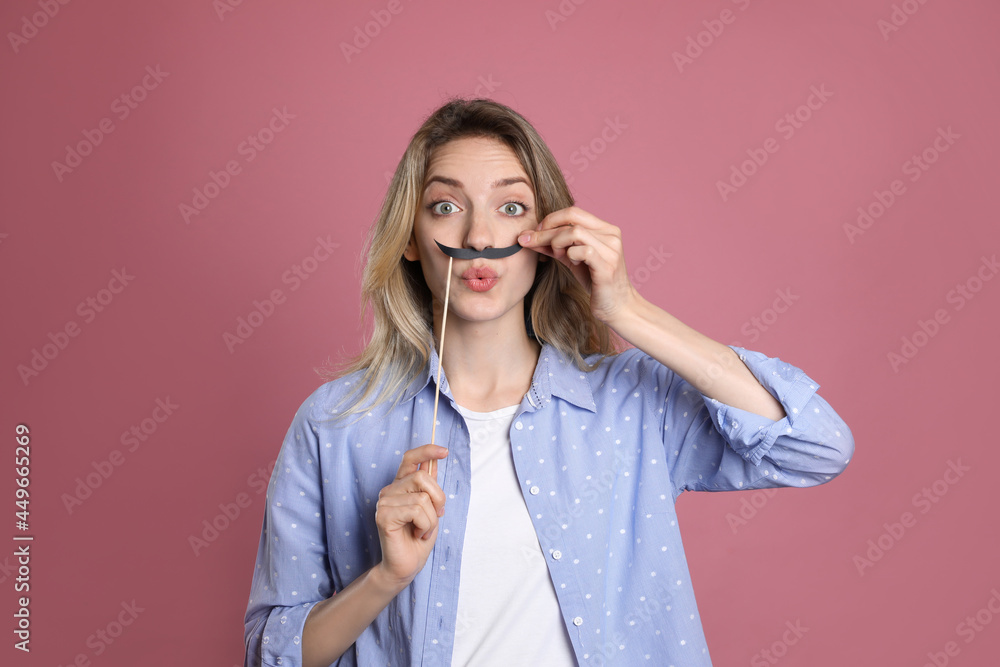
{"x": 476, "y": 195}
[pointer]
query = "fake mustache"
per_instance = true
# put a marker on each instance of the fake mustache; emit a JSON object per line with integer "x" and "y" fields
{"x": 487, "y": 253}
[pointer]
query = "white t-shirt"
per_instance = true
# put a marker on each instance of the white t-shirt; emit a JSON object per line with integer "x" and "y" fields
{"x": 508, "y": 613}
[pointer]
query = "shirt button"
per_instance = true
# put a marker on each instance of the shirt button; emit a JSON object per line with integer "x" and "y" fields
{"x": 557, "y": 554}
{"x": 577, "y": 621}
{"x": 534, "y": 490}
{"x": 518, "y": 426}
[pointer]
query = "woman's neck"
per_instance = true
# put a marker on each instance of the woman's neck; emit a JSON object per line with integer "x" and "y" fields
{"x": 486, "y": 371}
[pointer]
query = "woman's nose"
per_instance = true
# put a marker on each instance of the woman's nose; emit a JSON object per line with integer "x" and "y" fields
{"x": 480, "y": 232}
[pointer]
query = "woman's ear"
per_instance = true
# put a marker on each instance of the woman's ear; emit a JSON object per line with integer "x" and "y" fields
{"x": 411, "y": 252}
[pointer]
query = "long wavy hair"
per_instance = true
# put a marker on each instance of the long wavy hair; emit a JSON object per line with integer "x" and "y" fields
{"x": 557, "y": 307}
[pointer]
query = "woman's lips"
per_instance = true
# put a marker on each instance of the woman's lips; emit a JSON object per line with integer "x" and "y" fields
{"x": 480, "y": 278}
{"x": 480, "y": 284}
{"x": 479, "y": 272}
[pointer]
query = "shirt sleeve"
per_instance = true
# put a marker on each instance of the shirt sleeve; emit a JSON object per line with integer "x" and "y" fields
{"x": 712, "y": 446}
{"x": 292, "y": 572}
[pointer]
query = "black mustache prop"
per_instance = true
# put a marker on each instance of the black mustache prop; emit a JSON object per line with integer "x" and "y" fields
{"x": 488, "y": 253}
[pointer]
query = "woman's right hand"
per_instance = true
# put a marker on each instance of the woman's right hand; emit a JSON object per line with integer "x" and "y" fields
{"x": 407, "y": 516}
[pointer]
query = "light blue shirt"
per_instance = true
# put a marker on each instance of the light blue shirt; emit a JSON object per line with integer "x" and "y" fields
{"x": 601, "y": 458}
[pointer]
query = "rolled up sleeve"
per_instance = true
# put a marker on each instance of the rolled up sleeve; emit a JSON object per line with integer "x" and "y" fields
{"x": 718, "y": 447}
{"x": 292, "y": 571}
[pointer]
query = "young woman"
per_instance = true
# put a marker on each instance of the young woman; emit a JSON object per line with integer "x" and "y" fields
{"x": 547, "y": 534}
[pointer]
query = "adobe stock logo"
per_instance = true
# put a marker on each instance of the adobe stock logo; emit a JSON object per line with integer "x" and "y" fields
{"x": 749, "y": 508}
{"x": 786, "y": 126}
{"x": 294, "y": 276}
{"x": 249, "y": 149}
{"x": 363, "y": 36}
{"x": 104, "y": 468}
{"x": 30, "y": 27}
{"x": 656, "y": 259}
{"x": 961, "y": 294}
{"x": 86, "y": 309}
{"x": 916, "y": 166}
{"x": 565, "y": 9}
{"x": 924, "y": 500}
{"x": 899, "y": 17}
{"x": 779, "y": 648}
{"x": 106, "y": 635}
{"x": 586, "y": 154}
{"x": 212, "y": 528}
{"x": 701, "y": 41}
{"x": 122, "y": 106}
{"x": 968, "y": 629}
{"x": 223, "y": 7}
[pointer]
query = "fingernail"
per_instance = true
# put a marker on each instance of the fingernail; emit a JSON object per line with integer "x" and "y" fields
{"x": 524, "y": 238}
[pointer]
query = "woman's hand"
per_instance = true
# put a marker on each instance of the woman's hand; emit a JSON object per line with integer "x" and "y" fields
{"x": 592, "y": 249}
{"x": 407, "y": 517}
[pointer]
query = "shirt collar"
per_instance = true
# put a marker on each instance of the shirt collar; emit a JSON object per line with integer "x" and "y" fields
{"x": 555, "y": 375}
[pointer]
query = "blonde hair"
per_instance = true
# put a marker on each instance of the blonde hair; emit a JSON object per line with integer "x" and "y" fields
{"x": 394, "y": 287}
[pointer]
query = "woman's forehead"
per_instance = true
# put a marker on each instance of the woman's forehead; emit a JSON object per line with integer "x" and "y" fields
{"x": 475, "y": 154}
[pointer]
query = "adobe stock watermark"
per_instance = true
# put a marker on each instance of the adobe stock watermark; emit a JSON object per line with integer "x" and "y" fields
{"x": 592, "y": 489}
{"x": 898, "y": 17}
{"x": 644, "y": 612}
{"x": 655, "y": 260}
{"x": 223, "y": 7}
{"x": 786, "y": 126}
{"x": 753, "y": 327}
{"x": 750, "y": 505}
{"x": 961, "y": 294}
{"x": 31, "y": 25}
{"x": 485, "y": 86}
{"x": 779, "y": 648}
{"x": 7, "y": 570}
{"x": 122, "y": 107}
{"x": 229, "y": 512}
{"x": 968, "y": 629}
{"x": 364, "y": 34}
{"x": 758, "y": 324}
{"x": 586, "y": 154}
{"x": 562, "y": 12}
{"x": 58, "y": 341}
{"x": 103, "y": 468}
{"x": 657, "y": 598}
{"x": 914, "y": 167}
{"x": 249, "y": 149}
{"x": 924, "y": 501}
{"x": 703, "y": 39}
{"x": 294, "y": 277}
{"x": 103, "y": 637}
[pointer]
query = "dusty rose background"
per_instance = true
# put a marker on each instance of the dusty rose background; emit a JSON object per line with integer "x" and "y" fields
{"x": 649, "y": 107}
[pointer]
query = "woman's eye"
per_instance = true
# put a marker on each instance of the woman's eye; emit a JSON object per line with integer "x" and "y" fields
{"x": 444, "y": 208}
{"x": 513, "y": 208}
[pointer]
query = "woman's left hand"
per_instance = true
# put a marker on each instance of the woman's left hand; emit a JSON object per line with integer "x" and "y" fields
{"x": 592, "y": 249}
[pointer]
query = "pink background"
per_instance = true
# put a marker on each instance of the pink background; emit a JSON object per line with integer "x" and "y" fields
{"x": 681, "y": 130}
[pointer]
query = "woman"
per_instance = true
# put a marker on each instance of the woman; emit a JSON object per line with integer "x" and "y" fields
{"x": 547, "y": 534}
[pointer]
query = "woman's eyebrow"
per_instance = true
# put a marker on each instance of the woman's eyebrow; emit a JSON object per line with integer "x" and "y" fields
{"x": 503, "y": 182}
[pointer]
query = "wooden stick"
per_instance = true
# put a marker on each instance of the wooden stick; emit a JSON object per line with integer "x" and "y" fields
{"x": 432, "y": 465}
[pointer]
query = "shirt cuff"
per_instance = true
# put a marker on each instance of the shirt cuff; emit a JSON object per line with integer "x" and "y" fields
{"x": 752, "y": 435}
{"x": 281, "y": 640}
